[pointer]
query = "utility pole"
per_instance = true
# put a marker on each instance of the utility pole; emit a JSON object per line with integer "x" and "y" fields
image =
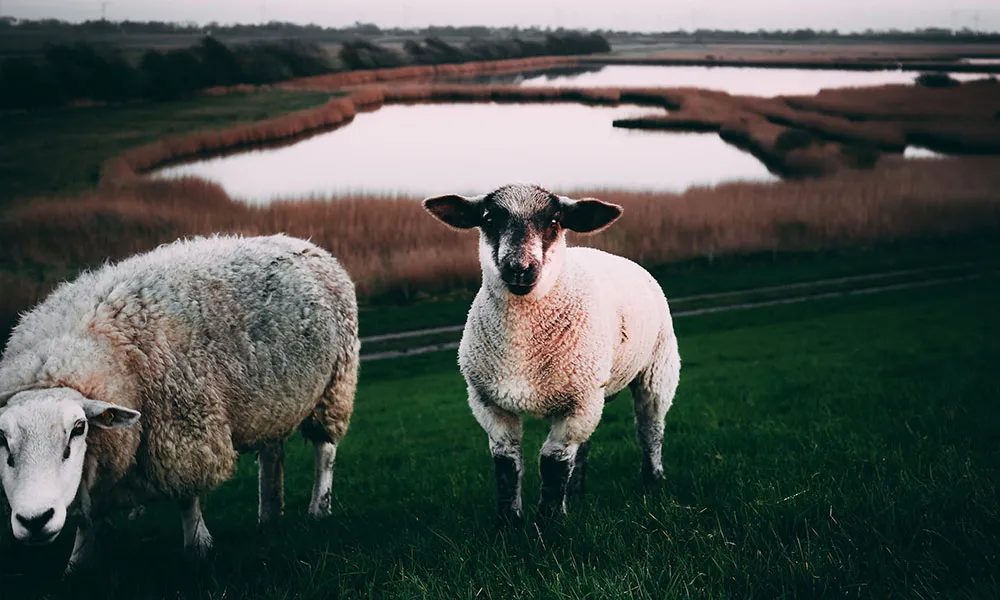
{"x": 104, "y": 11}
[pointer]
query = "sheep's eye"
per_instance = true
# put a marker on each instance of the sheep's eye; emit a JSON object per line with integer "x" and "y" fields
{"x": 487, "y": 216}
{"x": 79, "y": 428}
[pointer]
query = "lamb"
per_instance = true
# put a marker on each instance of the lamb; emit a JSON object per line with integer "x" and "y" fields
{"x": 145, "y": 379}
{"x": 554, "y": 332}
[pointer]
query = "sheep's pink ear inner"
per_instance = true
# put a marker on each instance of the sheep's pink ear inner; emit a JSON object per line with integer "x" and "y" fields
{"x": 588, "y": 215}
{"x": 456, "y": 211}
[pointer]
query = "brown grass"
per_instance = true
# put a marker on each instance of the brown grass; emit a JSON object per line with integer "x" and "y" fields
{"x": 393, "y": 249}
{"x": 888, "y": 118}
{"x": 336, "y": 81}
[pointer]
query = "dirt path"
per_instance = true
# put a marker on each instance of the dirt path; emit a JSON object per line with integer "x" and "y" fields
{"x": 674, "y": 301}
{"x": 928, "y": 282}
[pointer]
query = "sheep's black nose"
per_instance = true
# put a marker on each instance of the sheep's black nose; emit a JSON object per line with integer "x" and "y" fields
{"x": 520, "y": 274}
{"x": 38, "y": 522}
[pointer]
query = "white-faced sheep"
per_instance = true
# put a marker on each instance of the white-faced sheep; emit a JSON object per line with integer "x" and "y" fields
{"x": 145, "y": 379}
{"x": 553, "y": 332}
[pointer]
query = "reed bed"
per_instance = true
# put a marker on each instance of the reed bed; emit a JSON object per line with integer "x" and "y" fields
{"x": 395, "y": 251}
{"x": 960, "y": 119}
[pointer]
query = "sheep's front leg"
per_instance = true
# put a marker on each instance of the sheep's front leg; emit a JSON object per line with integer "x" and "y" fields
{"x": 83, "y": 546}
{"x": 86, "y": 534}
{"x": 197, "y": 539}
{"x": 568, "y": 436}
{"x": 504, "y": 430}
{"x": 271, "y": 482}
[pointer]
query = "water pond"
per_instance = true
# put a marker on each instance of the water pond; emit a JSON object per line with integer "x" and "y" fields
{"x": 734, "y": 80}
{"x": 470, "y": 148}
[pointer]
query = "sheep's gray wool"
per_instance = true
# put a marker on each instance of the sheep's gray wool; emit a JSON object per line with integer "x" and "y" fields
{"x": 223, "y": 344}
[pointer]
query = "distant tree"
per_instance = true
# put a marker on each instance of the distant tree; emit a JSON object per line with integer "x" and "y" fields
{"x": 171, "y": 75}
{"x": 24, "y": 84}
{"x": 260, "y": 66}
{"x": 361, "y": 54}
{"x": 219, "y": 64}
{"x": 302, "y": 59}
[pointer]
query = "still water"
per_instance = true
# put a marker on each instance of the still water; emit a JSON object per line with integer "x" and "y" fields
{"x": 471, "y": 148}
{"x": 734, "y": 80}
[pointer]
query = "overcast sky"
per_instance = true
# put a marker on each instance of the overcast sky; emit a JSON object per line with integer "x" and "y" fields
{"x": 641, "y": 15}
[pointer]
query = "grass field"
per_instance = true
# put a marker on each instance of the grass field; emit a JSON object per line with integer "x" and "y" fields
{"x": 62, "y": 150}
{"x": 831, "y": 449}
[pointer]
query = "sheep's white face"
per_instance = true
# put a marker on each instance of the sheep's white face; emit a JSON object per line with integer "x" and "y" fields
{"x": 522, "y": 231}
{"x": 42, "y": 447}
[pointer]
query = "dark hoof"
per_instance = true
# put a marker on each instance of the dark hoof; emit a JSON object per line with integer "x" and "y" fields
{"x": 577, "y": 488}
{"x": 548, "y": 515}
{"x": 509, "y": 519}
{"x": 652, "y": 479}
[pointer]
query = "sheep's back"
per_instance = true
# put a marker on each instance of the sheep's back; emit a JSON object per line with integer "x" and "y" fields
{"x": 230, "y": 342}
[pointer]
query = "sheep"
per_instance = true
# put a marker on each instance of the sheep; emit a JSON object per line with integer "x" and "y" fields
{"x": 554, "y": 332}
{"x": 145, "y": 379}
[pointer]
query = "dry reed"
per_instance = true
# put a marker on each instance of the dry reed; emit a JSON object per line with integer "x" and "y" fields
{"x": 392, "y": 248}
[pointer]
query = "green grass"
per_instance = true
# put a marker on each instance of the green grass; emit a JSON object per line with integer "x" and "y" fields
{"x": 721, "y": 274}
{"x": 842, "y": 448}
{"x": 62, "y": 150}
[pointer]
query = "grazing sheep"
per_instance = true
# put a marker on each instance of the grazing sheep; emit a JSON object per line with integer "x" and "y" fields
{"x": 554, "y": 332}
{"x": 221, "y": 344}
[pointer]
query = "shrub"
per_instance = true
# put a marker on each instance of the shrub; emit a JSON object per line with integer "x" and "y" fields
{"x": 360, "y": 54}
{"x": 792, "y": 139}
{"x": 260, "y": 66}
{"x": 937, "y": 80}
{"x": 171, "y": 75}
{"x": 301, "y": 59}
{"x": 24, "y": 84}
{"x": 220, "y": 64}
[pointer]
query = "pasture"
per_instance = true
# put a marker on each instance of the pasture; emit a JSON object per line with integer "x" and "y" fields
{"x": 843, "y": 447}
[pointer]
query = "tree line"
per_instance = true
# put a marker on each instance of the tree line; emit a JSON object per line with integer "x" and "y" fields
{"x": 313, "y": 31}
{"x": 66, "y": 73}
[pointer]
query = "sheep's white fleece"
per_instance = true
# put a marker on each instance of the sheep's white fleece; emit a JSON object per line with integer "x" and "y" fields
{"x": 604, "y": 322}
{"x": 221, "y": 343}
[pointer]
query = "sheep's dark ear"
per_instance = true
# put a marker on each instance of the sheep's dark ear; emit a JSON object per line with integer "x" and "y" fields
{"x": 109, "y": 416}
{"x": 454, "y": 210}
{"x": 588, "y": 215}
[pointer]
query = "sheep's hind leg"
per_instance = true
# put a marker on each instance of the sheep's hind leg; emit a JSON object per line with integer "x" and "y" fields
{"x": 578, "y": 477}
{"x": 322, "y": 494}
{"x": 652, "y": 394}
{"x": 271, "y": 482}
{"x": 197, "y": 539}
{"x": 504, "y": 430}
{"x": 327, "y": 426}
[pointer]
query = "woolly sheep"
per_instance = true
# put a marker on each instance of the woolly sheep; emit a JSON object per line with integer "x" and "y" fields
{"x": 554, "y": 332}
{"x": 144, "y": 379}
